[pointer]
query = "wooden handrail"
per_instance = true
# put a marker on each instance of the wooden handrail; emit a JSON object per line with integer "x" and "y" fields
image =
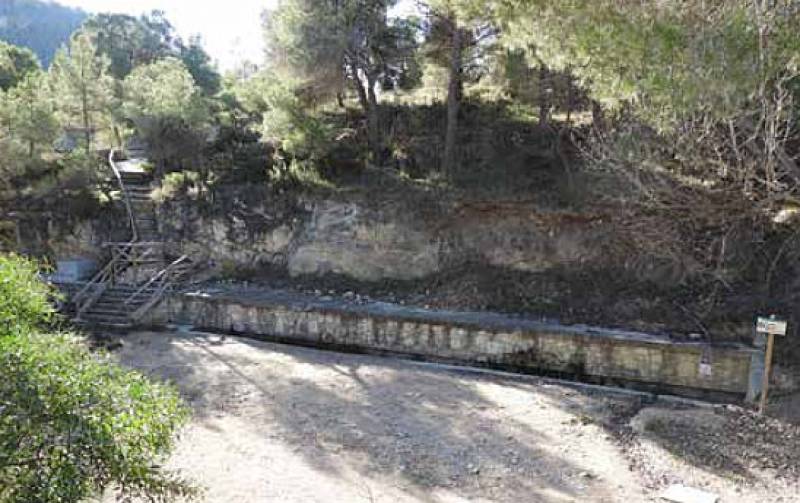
{"x": 99, "y": 277}
{"x": 166, "y": 279}
{"x": 160, "y": 274}
{"x": 92, "y": 291}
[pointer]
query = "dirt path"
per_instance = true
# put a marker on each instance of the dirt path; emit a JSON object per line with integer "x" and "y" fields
{"x": 280, "y": 423}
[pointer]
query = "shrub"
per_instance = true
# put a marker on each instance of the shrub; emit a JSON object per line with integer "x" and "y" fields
{"x": 177, "y": 183}
{"x": 72, "y": 422}
{"x": 24, "y": 300}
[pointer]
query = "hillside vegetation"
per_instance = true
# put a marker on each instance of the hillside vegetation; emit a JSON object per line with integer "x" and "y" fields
{"x": 670, "y": 125}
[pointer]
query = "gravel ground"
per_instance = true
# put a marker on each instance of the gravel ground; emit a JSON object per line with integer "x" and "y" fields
{"x": 281, "y": 423}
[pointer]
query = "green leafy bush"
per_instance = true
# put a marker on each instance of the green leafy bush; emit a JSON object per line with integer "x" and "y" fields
{"x": 287, "y": 122}
{"x": 177, "y": 183}
{"x": 24, "y": 299}
{"x": 72, "y": 422}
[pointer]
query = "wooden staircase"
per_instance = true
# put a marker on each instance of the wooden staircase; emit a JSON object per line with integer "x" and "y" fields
{"x": 137, "y": 277}
{"x": 107, "y": 302}
{"x": 137, "y": 188}
{"x": 111, "y": 309}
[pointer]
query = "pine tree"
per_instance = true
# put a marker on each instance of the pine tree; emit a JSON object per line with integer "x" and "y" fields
{"x": 83, "y": 86}
{"x": 334, "y": 45}
{"x": 29, "y": 114}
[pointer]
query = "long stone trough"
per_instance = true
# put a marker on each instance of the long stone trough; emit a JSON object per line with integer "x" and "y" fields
{"x": 642, "y": 361}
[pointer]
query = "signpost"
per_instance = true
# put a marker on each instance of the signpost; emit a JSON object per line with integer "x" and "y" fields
{"x": 770, "y": 327}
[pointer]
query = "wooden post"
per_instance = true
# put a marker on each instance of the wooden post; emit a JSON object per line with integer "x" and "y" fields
{"x": 770, "y": 327}
{"x": 767, "y": 371}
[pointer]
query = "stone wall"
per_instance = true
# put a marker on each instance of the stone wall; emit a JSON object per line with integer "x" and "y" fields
{"x": 640, "y": 360}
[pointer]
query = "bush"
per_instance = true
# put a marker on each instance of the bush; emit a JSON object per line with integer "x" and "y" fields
{"x": 73, "y": 423}
{"x": 24, "y": 300}
{"x": 177, "y": 183}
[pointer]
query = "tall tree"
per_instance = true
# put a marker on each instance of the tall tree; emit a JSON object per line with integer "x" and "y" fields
{"x": 124, "y": 40}
{"x": 83, "y": 85}
{"x": 128, "y": 42}
{"x": 15, "y": 63}
{"x": 164, "y": 103}
{"x": 458, "y": 30}
{"x": 199, "y": 65}
{"x": 29, "y": 114}
{"x": 334, "y": 44}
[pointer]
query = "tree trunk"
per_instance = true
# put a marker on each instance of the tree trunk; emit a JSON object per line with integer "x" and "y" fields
{"x": 373, "y": 121}
{"x": 362, "y": 94}
{"x": 544, "y": 98}
{"x": 118, "y": 135}
{"x": 598, "y": 117}
{"x": 367, "y": 100}
{"x": 453, "y": 100}
{"x": 570, "y": 94}
{"x": 85, "y": 116}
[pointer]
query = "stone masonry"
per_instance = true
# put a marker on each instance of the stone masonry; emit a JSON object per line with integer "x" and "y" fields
{"x": 639, "y": 360}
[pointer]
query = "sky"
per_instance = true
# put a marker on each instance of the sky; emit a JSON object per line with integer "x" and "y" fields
{"x": 231, "y": 29}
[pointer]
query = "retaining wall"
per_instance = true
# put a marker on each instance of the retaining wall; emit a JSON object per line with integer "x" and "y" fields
{"x": 644, "y": 361}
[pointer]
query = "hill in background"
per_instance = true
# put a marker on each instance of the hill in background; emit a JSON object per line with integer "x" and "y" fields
{"x": 41, "y": 26}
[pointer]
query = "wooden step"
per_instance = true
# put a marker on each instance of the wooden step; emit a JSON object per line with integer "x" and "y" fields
{"x": 112, "y": 303}
{"x": 106, "y": 320}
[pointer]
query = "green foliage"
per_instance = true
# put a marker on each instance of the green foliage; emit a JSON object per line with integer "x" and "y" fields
{"x": 24, "y": 299}
{"x": 162, "y": 90}
{"x": 29, "y": 113}
{"x": 178, "y": 182}
{"x": 297, "y": 174}
{"x": 164, "y": 103}
{"x": 667, "y": 59}
{"x": 73, "y": 423}
{"x": 287, "y": 123}
{"x": 332, "y": 45}
{"x": 329, "y": 43}
{"x": 15, "y": 64}
{"x": 255, "y": 94}
{"x": 83, "y": 86}
{"x": 198, "y": 63}
{"x": 129, "y": 42}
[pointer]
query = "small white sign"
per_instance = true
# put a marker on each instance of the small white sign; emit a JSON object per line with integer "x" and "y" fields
{"x": 705, "y": 370}
{"x": 770, "y": 326}
{"x": 683, "y": 494}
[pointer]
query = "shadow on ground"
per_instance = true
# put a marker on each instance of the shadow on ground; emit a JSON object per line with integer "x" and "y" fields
{"x": 427, "y": 428}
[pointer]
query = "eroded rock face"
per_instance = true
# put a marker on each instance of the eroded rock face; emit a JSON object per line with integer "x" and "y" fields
{"x": 348, "y": 239}
{"x": 241, "y": 238}
{"x": 373, "y": 242}
{"x": 526, "y": 245}
{"x": 222, "y": 242}
{"x": 83, "y": 241}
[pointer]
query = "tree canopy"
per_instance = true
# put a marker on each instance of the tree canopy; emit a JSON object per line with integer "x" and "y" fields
{"x": 129, "y": 41}
{"x": 15, "y": 63}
